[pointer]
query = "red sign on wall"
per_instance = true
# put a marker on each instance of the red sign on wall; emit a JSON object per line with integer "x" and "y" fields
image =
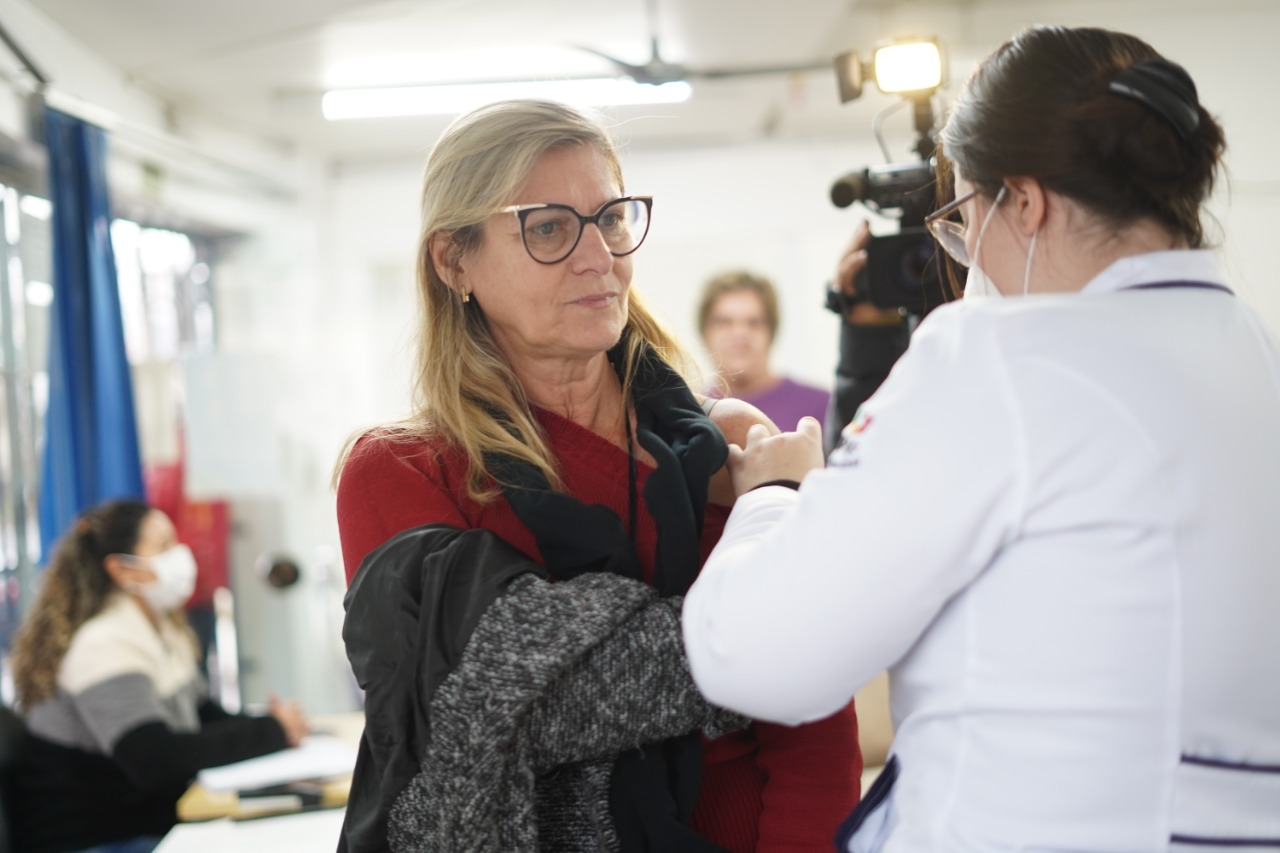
{"x": 204, "y": 526}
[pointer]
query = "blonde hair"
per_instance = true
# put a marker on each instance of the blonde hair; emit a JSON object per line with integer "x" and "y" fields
{"x": 74, "y": 587}
{"x": 465, "y": 391}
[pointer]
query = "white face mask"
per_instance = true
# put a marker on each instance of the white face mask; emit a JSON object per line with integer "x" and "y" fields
{"x": 175, "y": 572}
{"x": 977, "y": 283}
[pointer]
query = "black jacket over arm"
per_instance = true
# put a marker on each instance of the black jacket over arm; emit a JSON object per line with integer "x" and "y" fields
{"x": 410, "y": 611}
{"x": 505, "y": 712}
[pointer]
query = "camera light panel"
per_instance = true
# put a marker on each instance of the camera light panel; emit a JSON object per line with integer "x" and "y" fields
{"x": 910, "y": 66}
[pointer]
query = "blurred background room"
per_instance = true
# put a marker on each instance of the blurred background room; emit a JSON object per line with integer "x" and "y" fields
{"x": 264, "y": 254}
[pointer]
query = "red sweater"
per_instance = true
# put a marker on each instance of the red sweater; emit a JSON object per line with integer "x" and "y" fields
{"x": 769, "y": 788}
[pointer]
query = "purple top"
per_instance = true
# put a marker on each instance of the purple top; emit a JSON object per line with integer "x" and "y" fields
{"x": 789, "y": 401}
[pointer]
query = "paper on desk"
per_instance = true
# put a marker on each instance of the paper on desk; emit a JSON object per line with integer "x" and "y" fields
{"x": 318, "y": 757}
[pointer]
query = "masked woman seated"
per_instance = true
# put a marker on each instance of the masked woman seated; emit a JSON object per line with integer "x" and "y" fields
{"x": 117, "y": 714}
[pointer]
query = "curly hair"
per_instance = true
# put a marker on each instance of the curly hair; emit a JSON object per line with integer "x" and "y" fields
{"x": 75, "y": 586}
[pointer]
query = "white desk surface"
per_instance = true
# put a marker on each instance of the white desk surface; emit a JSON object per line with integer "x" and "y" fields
{"x": 307, "y": 832}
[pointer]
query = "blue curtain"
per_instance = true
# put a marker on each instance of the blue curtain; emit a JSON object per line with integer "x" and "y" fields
{"x": 91, "y": 432}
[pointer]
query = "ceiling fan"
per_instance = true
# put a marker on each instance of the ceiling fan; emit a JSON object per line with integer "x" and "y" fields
{"x": 657, "y": 71}
{"x": 633, "y": 83}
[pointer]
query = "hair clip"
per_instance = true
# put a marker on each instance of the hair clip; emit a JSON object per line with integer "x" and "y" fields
{"x": 1163, "y": 87}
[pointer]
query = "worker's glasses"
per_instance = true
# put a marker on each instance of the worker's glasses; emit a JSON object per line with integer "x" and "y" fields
{"x": 551, "y": 231}
{"x": 950, "y": 233}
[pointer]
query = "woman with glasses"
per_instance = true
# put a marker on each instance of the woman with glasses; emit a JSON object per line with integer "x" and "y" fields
{"x": 519, "y": 547}
{"x": 1055, "y": 520}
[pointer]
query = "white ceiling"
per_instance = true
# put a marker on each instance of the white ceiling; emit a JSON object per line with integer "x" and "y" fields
{"x": 261, "y": 65}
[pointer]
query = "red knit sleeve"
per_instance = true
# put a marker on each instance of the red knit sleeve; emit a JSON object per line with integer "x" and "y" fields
{"x": 387, "y": 487}
{"x": 813, "y": 780}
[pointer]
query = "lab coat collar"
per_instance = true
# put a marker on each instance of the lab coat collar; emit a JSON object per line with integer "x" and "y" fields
{"x": 1175, "y": 265}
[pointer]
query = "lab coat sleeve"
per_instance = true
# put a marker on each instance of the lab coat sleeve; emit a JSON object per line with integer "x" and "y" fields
{"x": 809, "y": 594}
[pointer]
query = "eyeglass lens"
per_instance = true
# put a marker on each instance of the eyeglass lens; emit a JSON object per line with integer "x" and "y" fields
{"x": 949, "y": 230}
{"x": 551, "y": 233}
{"x": 950, "y": 236}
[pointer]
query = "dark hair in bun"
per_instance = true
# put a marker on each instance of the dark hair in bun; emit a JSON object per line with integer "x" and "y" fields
{"x": 1095, "y": 115}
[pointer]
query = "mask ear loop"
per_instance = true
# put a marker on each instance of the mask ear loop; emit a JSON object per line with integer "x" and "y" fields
{"x": 1026, "y": 275}
{"x": 977, "y": 246}
{"x": 136, "y": 562}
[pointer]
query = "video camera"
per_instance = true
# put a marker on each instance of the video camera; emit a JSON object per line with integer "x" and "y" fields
{"x": 903, "y": 270}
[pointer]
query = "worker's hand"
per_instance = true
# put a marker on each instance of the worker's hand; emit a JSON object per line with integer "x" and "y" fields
{"x": 290, "y": 717}
{"x": 785, "y": 456}
{"x": 852, "y": 262}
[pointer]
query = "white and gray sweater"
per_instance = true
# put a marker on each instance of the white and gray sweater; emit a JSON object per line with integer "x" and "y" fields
{"x": 108, "y": 756}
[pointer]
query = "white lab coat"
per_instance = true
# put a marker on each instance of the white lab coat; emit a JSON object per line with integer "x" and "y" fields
{"x": 1058, "y": 522}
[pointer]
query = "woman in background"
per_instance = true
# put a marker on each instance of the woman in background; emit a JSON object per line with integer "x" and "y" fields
{"x": 105, "y": 671}
{"x": 738, "y": 316}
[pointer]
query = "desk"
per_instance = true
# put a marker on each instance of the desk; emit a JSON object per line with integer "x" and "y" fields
{"x": 201, "y": 804}
{"x": 307, "y": 832}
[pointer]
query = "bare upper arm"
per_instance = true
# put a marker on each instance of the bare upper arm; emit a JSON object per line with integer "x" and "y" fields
{"x": 733, "y": 417}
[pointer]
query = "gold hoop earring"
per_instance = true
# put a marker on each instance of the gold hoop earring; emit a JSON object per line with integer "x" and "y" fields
{"x": 466, "y": 297}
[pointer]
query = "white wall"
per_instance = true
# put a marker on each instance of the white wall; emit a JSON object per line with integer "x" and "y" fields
{"x": 763, "y": 206}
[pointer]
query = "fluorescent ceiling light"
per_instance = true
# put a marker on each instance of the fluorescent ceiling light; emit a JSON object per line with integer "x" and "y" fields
{"x": 410, "y": 69}
{"x": 449, "y": 99}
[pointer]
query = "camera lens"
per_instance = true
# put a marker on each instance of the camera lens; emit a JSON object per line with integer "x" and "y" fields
{"x": 903, "y": 272}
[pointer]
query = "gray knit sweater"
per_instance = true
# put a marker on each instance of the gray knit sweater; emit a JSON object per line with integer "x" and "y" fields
{"x": 555, "y": 682}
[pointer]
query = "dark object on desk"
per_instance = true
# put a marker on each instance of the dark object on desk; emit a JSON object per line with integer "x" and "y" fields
{"x": 308, "y": 793}
{"x": 12, "y": 735}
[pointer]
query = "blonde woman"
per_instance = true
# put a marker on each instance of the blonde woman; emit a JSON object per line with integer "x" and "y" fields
{"x": 552, "y": 439}
{"x": 105, "y": 669}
